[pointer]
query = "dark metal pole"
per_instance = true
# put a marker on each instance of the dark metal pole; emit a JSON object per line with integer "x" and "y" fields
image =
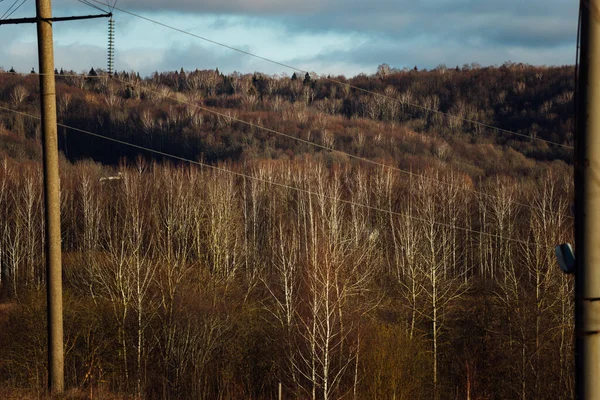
{"x": 51, "y": 197}
{"x": 587, "y": 208}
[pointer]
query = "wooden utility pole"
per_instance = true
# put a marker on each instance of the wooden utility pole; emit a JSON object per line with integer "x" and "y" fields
{"x": 56, "y": 380}
{"x": 587, "y": 207}
{"x": 43, "y": 19}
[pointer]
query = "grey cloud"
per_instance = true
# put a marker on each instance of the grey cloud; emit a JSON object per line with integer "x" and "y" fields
{"x": 335, "y": 8}
{"x": 425, "y": 55}
{"x": 22, "y": 55}
{"x": 398, "y": 32}
{"x": 533, "y": 33}
{"x": 529, "y": 23}
{"x": 530, "y": 7}
{"x": 442, "y": 23}
{"x": 269, "y": 7}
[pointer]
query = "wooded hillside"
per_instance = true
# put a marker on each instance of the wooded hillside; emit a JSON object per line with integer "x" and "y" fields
{"x": 429, "y": 274}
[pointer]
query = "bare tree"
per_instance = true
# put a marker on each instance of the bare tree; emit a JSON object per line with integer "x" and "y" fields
{"x": 547, "y": 222}
{"x": 223, "y": 243}
{"x": 6, "y": 273}
{"x": 338, "y": 271}
{"x": 125, "y": 274}
{"x": 403, "y": 227}
{"x": 442, "y": 283}
{"x": 31, "y": 209}
{"x": 18, "y": 95}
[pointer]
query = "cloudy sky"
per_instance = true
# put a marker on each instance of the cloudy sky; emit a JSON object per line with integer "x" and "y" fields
{"x": 325, "y": 36}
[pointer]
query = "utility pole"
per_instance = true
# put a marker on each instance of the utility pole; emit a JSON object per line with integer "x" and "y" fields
{"x": 587, "y": 207}
{"x": 44, "y": 20}
{"x": 56, "y": 379}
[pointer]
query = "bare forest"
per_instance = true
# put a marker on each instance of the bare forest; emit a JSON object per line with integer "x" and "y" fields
{"x": 427, "y": 271}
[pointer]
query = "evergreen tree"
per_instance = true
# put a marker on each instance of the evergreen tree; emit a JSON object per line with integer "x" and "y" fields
{"x": 307, "y": 79}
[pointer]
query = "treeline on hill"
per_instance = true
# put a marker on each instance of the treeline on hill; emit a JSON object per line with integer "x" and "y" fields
{"x": 334, "y": 277}
{"x": 343, "y": 282}
{"x": 161, "y": 112}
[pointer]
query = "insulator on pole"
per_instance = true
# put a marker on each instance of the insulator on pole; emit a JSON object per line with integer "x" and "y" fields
{"x": 111, "y": 46}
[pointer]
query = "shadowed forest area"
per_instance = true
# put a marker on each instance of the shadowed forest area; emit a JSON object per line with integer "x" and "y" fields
{"x": 427, "y": 274}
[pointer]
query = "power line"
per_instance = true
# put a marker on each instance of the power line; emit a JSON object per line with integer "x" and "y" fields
{"x": 282, "y": 185}
{"x": 332, "y": 80}
{"x": 304, "y": 141}
{"x": 381, "y": 95}
{"x": 9, "y": 8}
{"x": 86, "y": 2}
{"x": 9, "y": 12}
{"x": 317, "y": 145}
{"x": 16, "y": 9}
{"x": 307, "y": 142}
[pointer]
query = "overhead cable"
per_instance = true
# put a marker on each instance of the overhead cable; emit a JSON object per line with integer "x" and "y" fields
{"x": 300, "y": 140}
{"x": 282, "y": 185}
{"x": 381, "y": 95}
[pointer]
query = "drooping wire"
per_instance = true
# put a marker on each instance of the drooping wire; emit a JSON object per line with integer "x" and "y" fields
{"x": 307, "y": 142}
{"x": 15, "y": 10}
{"x": 313, "y": 144}
{"x": 90, "y": 4}
{"x": 282, "y": 185}
{"x": 110, "y": 63}
{"x": 332, "y": 80}
{"x": 8, "y": 12}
